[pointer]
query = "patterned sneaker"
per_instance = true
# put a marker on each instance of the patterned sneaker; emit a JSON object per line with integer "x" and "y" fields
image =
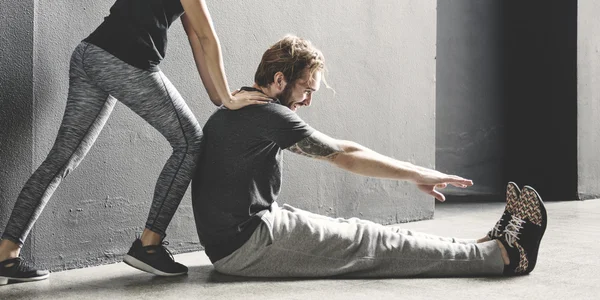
{"x": 524, "y": 232}
{"x": 512, "y": 198}
{"x": 157, "y": 260}
{"x": 17, "y": 270}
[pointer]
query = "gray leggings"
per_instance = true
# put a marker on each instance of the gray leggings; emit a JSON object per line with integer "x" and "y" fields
{"x": 96, "y": 80}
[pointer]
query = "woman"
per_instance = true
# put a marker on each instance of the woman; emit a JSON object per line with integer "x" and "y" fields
{"x": 119, "y": 61}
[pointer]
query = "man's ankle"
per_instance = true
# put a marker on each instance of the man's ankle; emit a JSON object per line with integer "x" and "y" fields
{"x": 505, "y": 257}
{"x": 483, "y": 240}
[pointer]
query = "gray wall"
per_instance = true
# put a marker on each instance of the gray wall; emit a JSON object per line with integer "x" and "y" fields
{"x": 469, "y": 109}
{"x": 381, "y": 62}
{"x": 588, "y": 91}
{"x": 16, "y": 92}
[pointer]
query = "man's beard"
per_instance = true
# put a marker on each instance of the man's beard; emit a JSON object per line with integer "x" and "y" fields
{"x": 285, "y": 97}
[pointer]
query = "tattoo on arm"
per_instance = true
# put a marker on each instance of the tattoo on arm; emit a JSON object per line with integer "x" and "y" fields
{"x": 317, "y": 145}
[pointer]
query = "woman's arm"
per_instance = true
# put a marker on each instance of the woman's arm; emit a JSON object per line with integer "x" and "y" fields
{"x": 208, "y": 57}
{"x": 200, "y": 60}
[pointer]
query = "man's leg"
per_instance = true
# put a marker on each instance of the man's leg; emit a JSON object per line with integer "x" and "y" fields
{"x": 395, "y": 228}
{"x": 293, "y": 244}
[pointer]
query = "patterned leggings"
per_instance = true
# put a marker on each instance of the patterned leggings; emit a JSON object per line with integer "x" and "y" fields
{"x": 96, "y": 80}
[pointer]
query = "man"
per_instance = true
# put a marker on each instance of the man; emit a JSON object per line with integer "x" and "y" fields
{"x": 246, "y": 233}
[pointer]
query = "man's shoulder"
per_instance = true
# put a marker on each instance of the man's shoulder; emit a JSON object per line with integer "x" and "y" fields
{"x": 278, "y": 113}
{"x": 273, "y": 108}
{"x": 258, "y": 110}
{"x": 253, "y": 115}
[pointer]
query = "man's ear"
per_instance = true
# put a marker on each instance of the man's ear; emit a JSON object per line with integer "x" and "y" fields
{"x": 279, "y": 81}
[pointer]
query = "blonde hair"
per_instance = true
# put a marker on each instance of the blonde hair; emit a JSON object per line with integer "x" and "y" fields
{"x": 291, "y": 56}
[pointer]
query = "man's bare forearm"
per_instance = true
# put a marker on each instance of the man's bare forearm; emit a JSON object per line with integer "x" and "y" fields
{"x": 364, "y": 161}
{"x": 361, "y": 160}
{"x": 355, "y": 158}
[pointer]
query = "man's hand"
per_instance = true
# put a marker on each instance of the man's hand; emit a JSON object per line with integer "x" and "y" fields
{"x": 241, "y": 99}
{"x": 429, "y": 180}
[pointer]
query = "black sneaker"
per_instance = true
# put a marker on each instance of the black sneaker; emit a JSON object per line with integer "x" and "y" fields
{"x": 157, "y": 259}
{"x": 512, "y": 198}
{"x": 524, "y": 232}
{"x": 17, "y": 270}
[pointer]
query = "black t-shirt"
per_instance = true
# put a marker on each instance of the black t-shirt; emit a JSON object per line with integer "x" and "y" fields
{"x": 136, "y": 31}
{"x": 239, "y": 173}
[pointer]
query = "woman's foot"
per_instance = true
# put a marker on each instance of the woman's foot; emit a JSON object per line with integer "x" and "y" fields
{"x": 17, "y": 270}
{"x": 155, "y": 259}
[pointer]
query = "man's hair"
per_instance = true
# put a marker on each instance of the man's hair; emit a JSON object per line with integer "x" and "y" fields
{"x": 291, "y": 55}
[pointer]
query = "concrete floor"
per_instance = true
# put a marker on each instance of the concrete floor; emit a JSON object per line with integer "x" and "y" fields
{"x": 568, "y": 268}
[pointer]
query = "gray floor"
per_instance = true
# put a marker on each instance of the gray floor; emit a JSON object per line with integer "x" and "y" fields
{"x": 568, "y": 268}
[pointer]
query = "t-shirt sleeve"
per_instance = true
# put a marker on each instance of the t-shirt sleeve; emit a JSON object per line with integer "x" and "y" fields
{"x": 283, "y": 126}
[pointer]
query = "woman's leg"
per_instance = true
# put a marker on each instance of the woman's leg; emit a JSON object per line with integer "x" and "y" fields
{"x": 88, "y": 107}
{"x": 152, "y": 96}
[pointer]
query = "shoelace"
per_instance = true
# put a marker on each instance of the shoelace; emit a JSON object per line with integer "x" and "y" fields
{"x": 496, "y": 230}
{"x": 164, "y": 248}
{"x": 511, "y": 232}
{"x": 24, "y": 266}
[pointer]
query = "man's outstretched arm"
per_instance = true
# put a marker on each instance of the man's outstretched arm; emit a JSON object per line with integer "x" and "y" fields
{"x": 360, "y": 160}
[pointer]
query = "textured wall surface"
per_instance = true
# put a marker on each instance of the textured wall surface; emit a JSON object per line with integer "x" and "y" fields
{"x": 469, "y": 106}
{"x": 16, "y": 92}
{"x": 588, "y": 92}
{"x": 381, "y": 64}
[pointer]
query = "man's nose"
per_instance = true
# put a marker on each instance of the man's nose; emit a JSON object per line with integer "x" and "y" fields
{"x": 308, "y": 100}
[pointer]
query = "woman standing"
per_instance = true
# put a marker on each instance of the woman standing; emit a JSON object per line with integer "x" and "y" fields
{"x": 119, "y": 61}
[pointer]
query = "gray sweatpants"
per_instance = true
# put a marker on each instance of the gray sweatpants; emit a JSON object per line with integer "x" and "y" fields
{"x": 295, "y": 243}
{"x": 96, "y": 80}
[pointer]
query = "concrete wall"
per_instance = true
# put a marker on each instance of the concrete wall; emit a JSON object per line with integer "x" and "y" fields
{"x": 588, "y": 93}
{"x": 381, "y": 63}
{"x": 469, "y": 107}
{"x": 16, "y": 93}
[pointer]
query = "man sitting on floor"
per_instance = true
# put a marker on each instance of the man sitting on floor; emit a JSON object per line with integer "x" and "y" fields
{"x": 245, "y": 232}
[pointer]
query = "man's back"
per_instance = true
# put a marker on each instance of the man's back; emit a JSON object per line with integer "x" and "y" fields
{"x": 239, "y": 173}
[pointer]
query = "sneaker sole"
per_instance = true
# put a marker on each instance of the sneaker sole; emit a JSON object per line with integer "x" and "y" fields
{"x": 138, "y": 264}
{"x": 5, "y": 280}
